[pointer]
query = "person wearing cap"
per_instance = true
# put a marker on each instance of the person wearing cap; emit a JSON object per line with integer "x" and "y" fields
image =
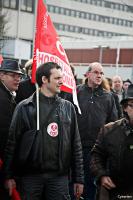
{"x": 97, "y": 108}
{"x": 26, "y": 87}
{"x": 112, "y": 155}
{"x": 126, "y": 84}
{"x": 10, "y": 76}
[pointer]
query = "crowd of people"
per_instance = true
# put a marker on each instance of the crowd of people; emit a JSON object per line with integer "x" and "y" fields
{"x": 48, "y": 151}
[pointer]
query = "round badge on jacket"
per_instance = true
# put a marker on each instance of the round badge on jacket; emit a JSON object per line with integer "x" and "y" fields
{"x": 52, "y": 129}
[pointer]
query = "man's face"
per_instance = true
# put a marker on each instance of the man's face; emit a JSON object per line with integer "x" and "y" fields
{"x": 55, "y": 82}
{"x": 11, "y": 80}
{"x": 95, "y": 76}
{"x": 126, "y": 85}
{"x": 117, "y": 83}
{"x": 129, "y": 109}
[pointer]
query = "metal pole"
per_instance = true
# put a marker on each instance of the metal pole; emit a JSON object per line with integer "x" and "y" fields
{"x": 100, "y": 54}
{"x": 18, "y": 19}
{"x": 117, "y": 58}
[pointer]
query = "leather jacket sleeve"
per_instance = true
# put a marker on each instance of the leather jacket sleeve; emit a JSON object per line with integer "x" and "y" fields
{"x": 14, "y": 134}
{"x": 77, "y": 157}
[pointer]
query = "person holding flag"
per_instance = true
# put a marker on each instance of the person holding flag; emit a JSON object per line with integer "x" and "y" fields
{"x": 42, "y": 158}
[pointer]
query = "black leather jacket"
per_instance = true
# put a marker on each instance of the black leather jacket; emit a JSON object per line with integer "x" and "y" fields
{"x": 70, "y": 150}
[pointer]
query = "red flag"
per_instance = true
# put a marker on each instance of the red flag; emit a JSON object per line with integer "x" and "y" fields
{"x": 15, "y": 195}
{"x": 1, "y": 59}
{"x": 48, "y": 48}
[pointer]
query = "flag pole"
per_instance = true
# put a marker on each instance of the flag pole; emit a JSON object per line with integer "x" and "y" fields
{"x": 37, "y": 94}
{"x": 37, "y": 88}
{"x": 37, "y": 103}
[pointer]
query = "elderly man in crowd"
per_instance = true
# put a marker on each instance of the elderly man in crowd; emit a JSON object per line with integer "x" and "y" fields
{"x": 97, "y": 108}
{"x": 10, "y": 76}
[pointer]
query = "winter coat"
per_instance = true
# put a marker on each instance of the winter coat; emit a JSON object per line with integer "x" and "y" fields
{"x": 7, "y": 106}
{"x": 25, "y": 90}
{"x": 97, "y": 108}
{"x": 70, "y": 150}
{"x": 112, "y": 154}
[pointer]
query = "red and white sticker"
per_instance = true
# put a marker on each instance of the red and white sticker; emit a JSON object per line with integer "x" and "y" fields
{"x": 52, "y": 129}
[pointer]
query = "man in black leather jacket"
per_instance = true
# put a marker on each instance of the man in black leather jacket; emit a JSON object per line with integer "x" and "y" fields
{"x": 60, "y": 142}
{"x": 112, "y": 155}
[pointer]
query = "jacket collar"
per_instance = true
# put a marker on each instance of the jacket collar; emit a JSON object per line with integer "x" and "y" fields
{"x": 96, "y": 91}
{"x": 32, "y": 98}
{"x": 6, "y": 89}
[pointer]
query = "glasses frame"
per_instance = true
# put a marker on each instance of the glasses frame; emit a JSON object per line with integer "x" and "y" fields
{"x": 13, "y": 75}
{"x": 97, "y": 73}
{"x": 130, "y": 105}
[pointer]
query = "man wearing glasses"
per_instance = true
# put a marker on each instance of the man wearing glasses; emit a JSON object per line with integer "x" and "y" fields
{"x": 10, "y": 76}
{"x": 97, "y": 108}
{"x": 112, "y": 155}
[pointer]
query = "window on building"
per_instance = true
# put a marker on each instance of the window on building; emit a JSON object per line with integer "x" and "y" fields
{"x": 82, "y": 14}
{"x": 94, "y": 17}
{"x": 99, "y": 2}
{"x": 105, "y": 34}
{"x": 124, "y": 22}
{"x": 109, "y": 34}
{"x": 120, "y": 22}
{"x": 56, "y": 9}
{"x": 67, "y": 12}
{"x": 112, "y": 6}
{"x": 62, "y": 11}
{"x": 77, "y": 14}
{"x": 71, "y": 28}
{"x": 84, "y": 1}
{"x": 86, "y": 31}
{"x": 10, "y": 4}
{"x": 61, "y": 26}
{"x": 73, "y": 13}
{"x": 121, "y": 7}
{"x": 125, "y": 8}
{"x": 107, "y": 4}
{"x": 97, "y": 18}
{"x": 91, "y": 32}
{"x": 106, "y": 19}
{"x": 27, "y": 5}
{"x": 51, "y": 8}
{"x": 117, "y": 6}
{"x": 76, "y": 29}
{"x": 66, "y": 27}
{"x": 115, "y": 21}
{"x": 95, "y": 32}
{"x": 130, "y": 9}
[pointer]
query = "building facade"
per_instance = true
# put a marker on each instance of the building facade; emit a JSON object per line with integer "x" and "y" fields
{"x": 85, "y": 27}
{"x": 97, "y": 18}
